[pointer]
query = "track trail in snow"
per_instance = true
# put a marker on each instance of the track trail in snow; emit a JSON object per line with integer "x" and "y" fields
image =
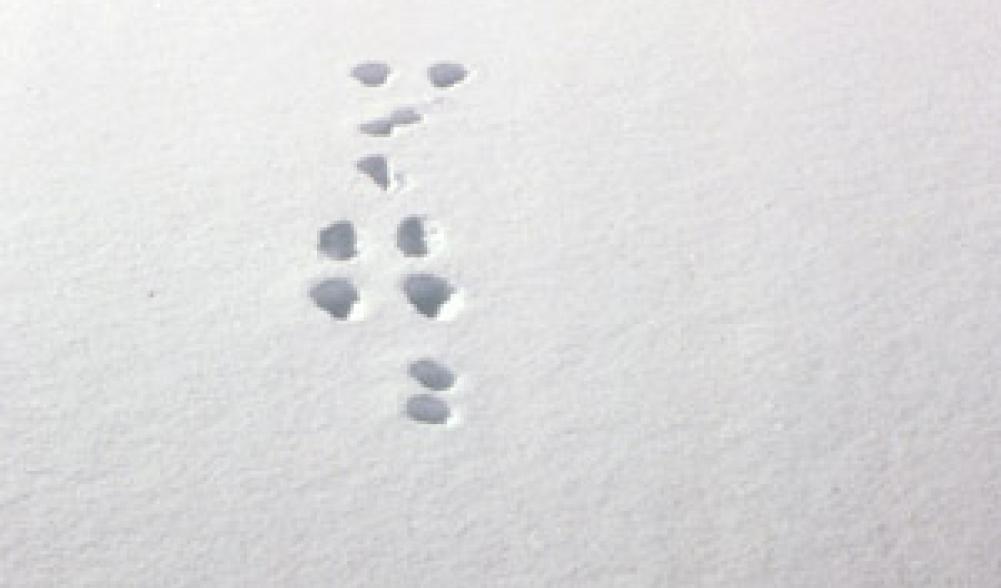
{"x": 417, "y": 236}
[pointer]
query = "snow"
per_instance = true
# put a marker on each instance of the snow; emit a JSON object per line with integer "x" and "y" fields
{"x": 652, "y": 293}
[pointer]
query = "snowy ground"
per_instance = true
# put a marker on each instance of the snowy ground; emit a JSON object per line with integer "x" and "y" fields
{"x": 722, "y": 280}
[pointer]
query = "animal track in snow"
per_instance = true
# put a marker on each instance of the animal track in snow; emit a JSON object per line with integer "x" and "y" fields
{"x": 447, "y": 74}
{"x": 417, "y": 237}
{"x": 339, "y": 297}
{"x": 432, "y": 374}
{"x": 338, "y": 241}
{"x": 371, "y": 73}
{"x": 383, "y": 127}
{"x": 428, "y": 409}
{"x": 432, "y": 296}
{"x": 377, "y": 168}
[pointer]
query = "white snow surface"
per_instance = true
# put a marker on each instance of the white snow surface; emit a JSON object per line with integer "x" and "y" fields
{"x": 728, "y": 272}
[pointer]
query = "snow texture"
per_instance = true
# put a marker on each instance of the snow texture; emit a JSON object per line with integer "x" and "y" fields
{"x": 718, "y": 301}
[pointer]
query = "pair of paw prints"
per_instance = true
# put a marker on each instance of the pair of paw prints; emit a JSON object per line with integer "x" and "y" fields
{"x": 444, "y": 74}
{"x": 430, "y": 295}
{"x": 430, "y": 408}
{"x": 415, "y": 237}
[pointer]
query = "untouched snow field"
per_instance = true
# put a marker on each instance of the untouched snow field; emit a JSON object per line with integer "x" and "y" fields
{"x": 500, "y": 293}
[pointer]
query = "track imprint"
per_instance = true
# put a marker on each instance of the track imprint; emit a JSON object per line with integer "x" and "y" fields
{"x": 432, "y": 374}
{"x": 339, "y": 297}
{"x": 338, "y": 241}
{"x": 447, "y": 74}
{"x": 432, "y": 296}
{"x": 428, "y": 409}
{"x": 383, "y": 127}
{"x": 417, "y": 237}
{"x": 377, "y": 168}
{"x": 371, "y": 73}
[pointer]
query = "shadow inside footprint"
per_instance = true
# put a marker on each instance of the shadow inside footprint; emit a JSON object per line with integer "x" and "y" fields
{"x": 371, "y": 73}
{"x": 377, "y": 168}
{"x": 415, "y": 237}
{"x": 446, "y": 74}
{"x": 383, "y": 127}
{"x": 432, "y": 375}
{"x": 428, "y": 293}
{"x": 338, "y": 241}
{"x": 337, "y": 296}
{"x": 428, "y": 409}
